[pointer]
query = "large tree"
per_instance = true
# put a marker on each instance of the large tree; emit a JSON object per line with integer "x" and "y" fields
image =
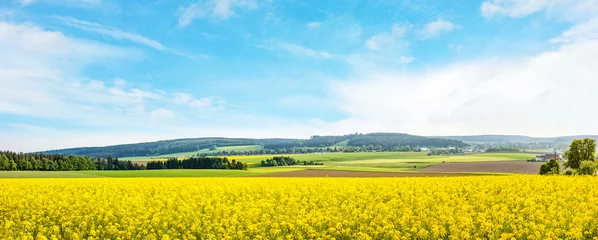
{"x": 580, "y": 150}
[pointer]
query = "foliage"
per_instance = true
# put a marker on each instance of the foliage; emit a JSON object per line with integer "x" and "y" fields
{"x": 580, "y": 150}
{"x": 569, "y": 172}
{"x": 198, "y": 163}
{"x": 286, "y": 161}
{"x": 11, "y": 161}
{"x": 510, "y": 207}
{"x": 587, "y": 168}
{"x": 445, "y": 151}
{"x": 502, "y": 149}
{"x": 550, "y": 168}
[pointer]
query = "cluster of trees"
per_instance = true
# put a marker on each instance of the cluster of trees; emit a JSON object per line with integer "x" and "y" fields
{"x": 12, "y": 161}
{"x": 400, "y": 139}
{"x": 286, "y": 161}
{"x": 198, "y": 163}
{"x": 581, "y": 158}
{"x": 445, "y": 151}
{"x": 110, "y": 163}
{"x": 502, "y": 149}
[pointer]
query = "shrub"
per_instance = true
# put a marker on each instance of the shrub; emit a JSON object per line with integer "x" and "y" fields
{"x": 587, "y": 168}
{"x": 569, "y": 172}
{"x": 551, "y": 167}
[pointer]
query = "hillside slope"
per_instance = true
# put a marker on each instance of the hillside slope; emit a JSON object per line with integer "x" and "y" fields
{"x": 195, "y": 144}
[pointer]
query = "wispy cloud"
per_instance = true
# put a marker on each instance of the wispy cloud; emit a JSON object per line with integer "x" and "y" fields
{"x": 119, "y": 34}
{"x": 566, "y": 9}
{"x": 294, "y": 49}
{"x": 313, "y": 25}
{"x": 215, "y": 9}
{"x": 303, "y": 51}
{"x": 211, "y": 102}
{"x": 385, "y": 38}
{"x": 434, "y": 29}
{"x": 25, "y": 2}
{"x": 76, "y": 3}
{"x": 112, "y": 32}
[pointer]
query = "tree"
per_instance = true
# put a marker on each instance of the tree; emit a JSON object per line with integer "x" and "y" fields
{"x": 4, "y": 165}
{"x": 551, "y": 167}
{"x": 580, "y": 150}
{"x": 587, "y": 168}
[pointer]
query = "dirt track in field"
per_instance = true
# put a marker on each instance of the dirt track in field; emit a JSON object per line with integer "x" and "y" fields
{"x": 504, "y": 167}
{"x": 342, "y": 173}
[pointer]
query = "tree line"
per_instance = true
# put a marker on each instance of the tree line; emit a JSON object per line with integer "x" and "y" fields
{"x": 12, "y": 161}
{"x": 286, "y": 161}
{"x": 445, "y": 151}
{"x": 502, "y": 149}
{"x": 198, "y": 163}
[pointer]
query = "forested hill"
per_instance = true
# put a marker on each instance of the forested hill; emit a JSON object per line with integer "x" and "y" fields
{"x": 195, "y": 144}
{"x": 516, "y": 138}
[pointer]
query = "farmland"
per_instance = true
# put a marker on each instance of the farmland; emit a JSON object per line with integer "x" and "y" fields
{"x": 521, "y": 207}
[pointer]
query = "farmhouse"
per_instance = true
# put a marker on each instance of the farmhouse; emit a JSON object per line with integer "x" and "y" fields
{"x": 546, "y": 157}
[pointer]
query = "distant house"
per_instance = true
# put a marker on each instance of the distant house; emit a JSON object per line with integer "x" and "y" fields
{"x": 546, "y": 157}
{"x": 424, "y": 149}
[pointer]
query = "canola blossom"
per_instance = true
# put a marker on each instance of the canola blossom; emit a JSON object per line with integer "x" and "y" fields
{"x": 507, "y": 207}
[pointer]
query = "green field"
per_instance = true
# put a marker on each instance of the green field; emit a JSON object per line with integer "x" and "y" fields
{"x": 341, "y": 144}
{"x": 144, "y": 173}
{"x": 194, "y": 153}
{"x": 373, "y": 162}
{"x": 388, "y": 161}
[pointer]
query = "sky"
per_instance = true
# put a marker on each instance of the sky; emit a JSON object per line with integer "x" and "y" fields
{"x": 102, "y": 72}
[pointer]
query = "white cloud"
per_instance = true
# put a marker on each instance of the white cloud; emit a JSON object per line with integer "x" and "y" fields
{"x": 25, "y": 2}
{"x": 379, "y": 41}
{"x": 542, "y": 95}
{"x": 579, "y": 33}
{"x": 434, "y": 29}
{"x": 215, "y": 9}
{"x": 161, "y": 115}
{"x": 406, "y": 59}
{"x": 295, "y": 49}
{"x": 313, "y": 25}
{"x": 566, "y": 9}
{"x": 40, "y": 78}
{"x": 212, "y": 102}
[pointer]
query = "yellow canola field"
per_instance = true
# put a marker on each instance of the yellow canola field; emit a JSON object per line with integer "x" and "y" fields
{"x": 521, "y": 207}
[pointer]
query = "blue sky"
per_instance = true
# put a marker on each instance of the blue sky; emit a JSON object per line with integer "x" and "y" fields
{"x": 101, "y": 72}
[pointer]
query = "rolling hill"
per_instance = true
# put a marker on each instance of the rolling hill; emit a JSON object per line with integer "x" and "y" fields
{"x": 196, "y": 144}
{"x": 515, "y": 138}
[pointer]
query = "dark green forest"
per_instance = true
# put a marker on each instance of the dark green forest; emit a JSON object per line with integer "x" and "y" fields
{"x": 356, "y": 142}
{"x": 286, "y": 161}
{"x": 198, "y": 163}
{"x": 12, "y": 161}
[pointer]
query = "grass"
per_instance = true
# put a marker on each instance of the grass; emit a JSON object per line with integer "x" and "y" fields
{"x": 386, "y": 161}
{"x": 341, "y": 144}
